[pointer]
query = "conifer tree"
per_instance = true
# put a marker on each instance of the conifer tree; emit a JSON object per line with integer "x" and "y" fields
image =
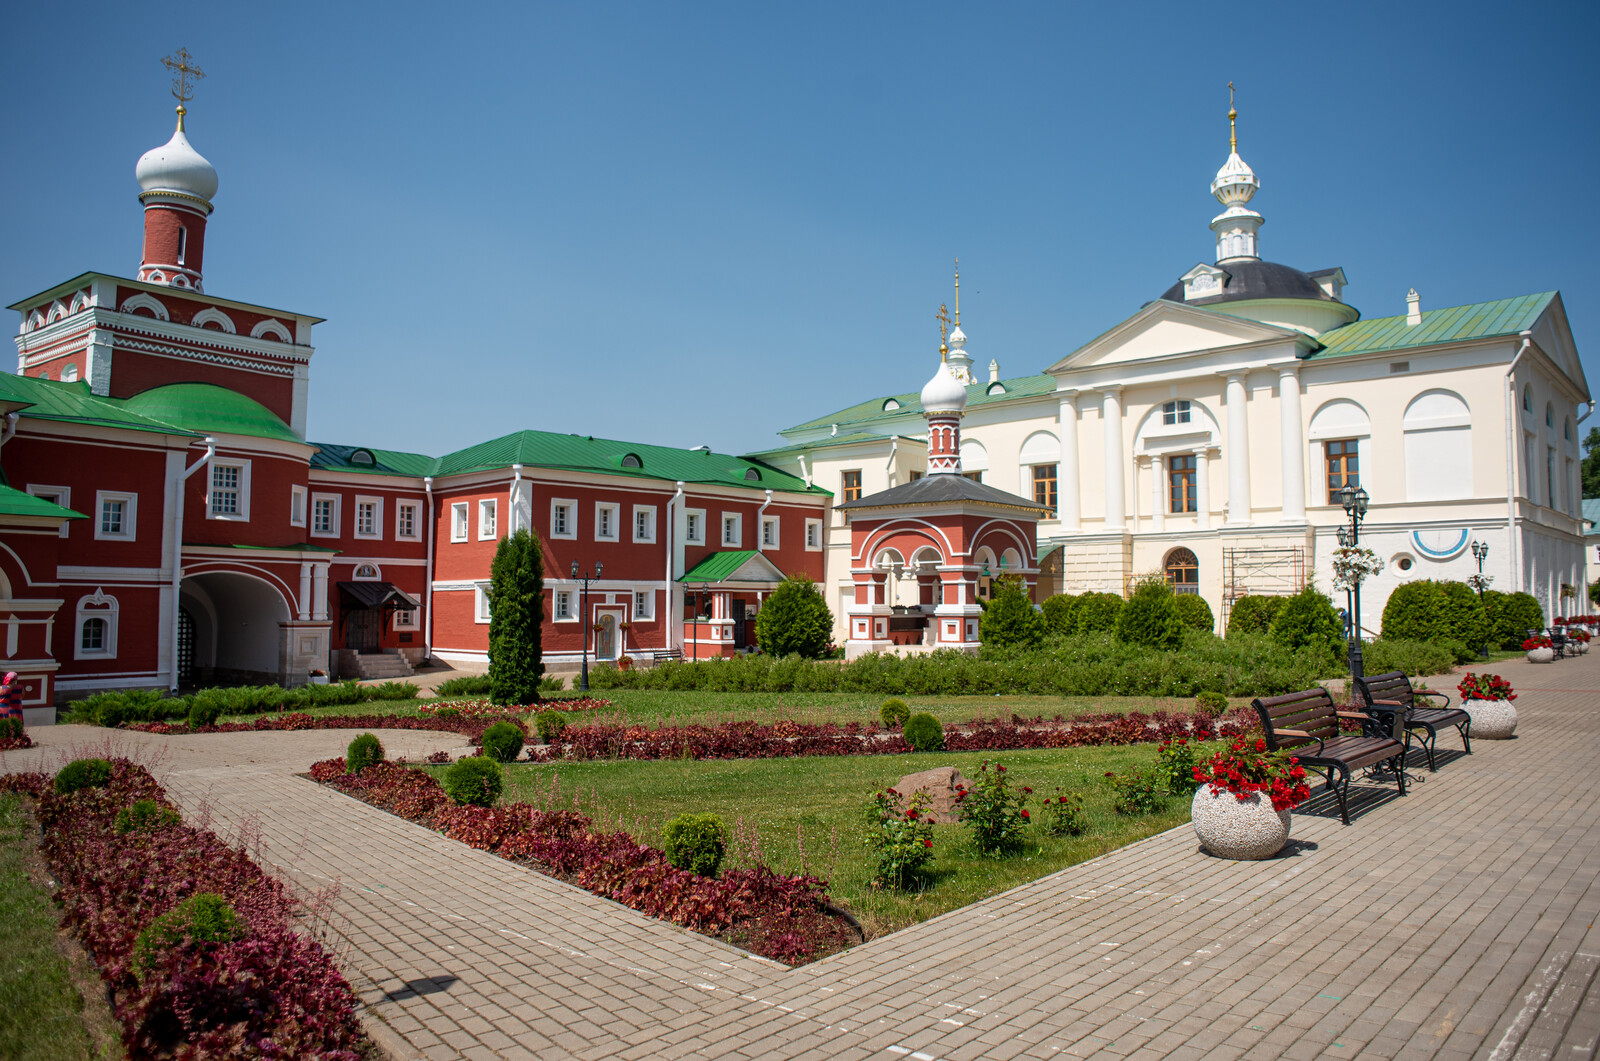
{"x": 516, "y": 618}
{"x": 795, "y": 619}
{"x": 1151, "y": 616}
{"x": 1010, "y": 618}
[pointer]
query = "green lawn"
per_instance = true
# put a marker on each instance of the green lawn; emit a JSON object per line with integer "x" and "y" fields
{"x": 41, "y": 1013}
{"x": 807, "y": 814}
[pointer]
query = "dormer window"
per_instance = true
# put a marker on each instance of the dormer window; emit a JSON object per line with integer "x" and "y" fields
{"x": 890, "y": 404}
{"x": 752, "y": 474}
{"x": 1202, "y": 281}
{"x": 1176, "y": 412}
{"x": 631, "y": 460}
{"x": 363, "y": 457}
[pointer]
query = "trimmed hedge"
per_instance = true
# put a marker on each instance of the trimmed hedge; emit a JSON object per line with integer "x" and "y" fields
{"x": 1307, "y": 621}
{"x": 1511, "y": 616}
{"x": 149, "y": 705}
{"x": 1058, "y": 612}
{"x": 1253, "y": 614}
{"x": 1150, "y": 617}
{"x": 1439, "y": 612}
{"x": 1095, "y": 612}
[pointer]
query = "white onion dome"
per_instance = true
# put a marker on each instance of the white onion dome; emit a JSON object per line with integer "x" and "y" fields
{"x": 957, "y": 337}
{"x": 176, "y": 167}
{"x": 943, "y": 393}
{"x": 1236, "y": 183}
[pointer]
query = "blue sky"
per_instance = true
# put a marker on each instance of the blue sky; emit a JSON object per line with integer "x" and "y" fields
{"x": 696, "y": 223}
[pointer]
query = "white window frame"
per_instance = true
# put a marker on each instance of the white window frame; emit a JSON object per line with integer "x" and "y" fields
{"x": 60, "y": 495}
{"x": 766, "y": 523}
{"x": 691, "y": 516}
{"x": 813, "y": 535}
{"x": 406, "y": 619}
{"x": 299, "y": 499}
{"x": 130, "y": 515}
{"x": 480, "y": 603}
{"x": 241, "y": 516}
{"x": 312, "y": 515}
{"x": 614, "y": 511}
{"x": 737, "y": 539}
{"x": 488, "y": 530}
{"x": 376, "y": 534}
{"x": 648, "y": 513}
{"x": 644, "y": 601}
{"x": 571, "y": 505}
{"x": 459, "y": 521}
{"x": 561, "y": 609}
{"x": 400, "y": 509}
{"x": 96, "y": 606}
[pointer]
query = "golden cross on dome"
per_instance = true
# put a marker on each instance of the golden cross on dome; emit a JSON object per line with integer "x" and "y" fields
{"x": 184, "y": 72}
{"x": 943, "y": 317}
{"x": 1233, "y": 131}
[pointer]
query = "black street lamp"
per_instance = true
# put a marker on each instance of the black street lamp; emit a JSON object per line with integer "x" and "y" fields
{"x": 583, "y": 612}
{"x": 1354, "y": 500}
{"x": 1480, "y": 553}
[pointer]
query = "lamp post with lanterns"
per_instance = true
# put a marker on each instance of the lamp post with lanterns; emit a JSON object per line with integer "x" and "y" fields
{"x": 583, "y": 611}
{"x": 1480, "y": 582}
{"x": 1354, "y": 500}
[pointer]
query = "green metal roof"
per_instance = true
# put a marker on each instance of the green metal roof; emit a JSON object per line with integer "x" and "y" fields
{"x": 208, "y": 408}
{"x": 1591, "y": 515}
{"x": 52, "y": 400}
{"x": 1480, "y": 320}
{"x": 720, "y": 567}
{"x": 978, "y": 396}
{"x": 384, "y": 461}
{"x": 824, "y": 443}
{"x": 14, "y": 502}
{"x": 545, "y": 449}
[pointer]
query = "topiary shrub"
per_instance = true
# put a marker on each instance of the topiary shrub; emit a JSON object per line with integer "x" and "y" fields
{"x": 1210, "y": 703}
{"x": 82, "y": 773}
{"x": 502, "y": 741}
{"x": 550, "y": 724}
{"x": 1010, "y": 618}
{"x": 1195, "y": 612}
{"x": 1415, "y": 612}
{"x": 1511, "y": 616}
{"x": 924, "y": 733}
{"x": 795, "y": 620}
{"x": 1466, "y": 619}
{"x": 143, "y": 816}
{"x": 204, "y": 713}
{"x": 465, "y": 685}
{"x": 1308, "y": 619}
{"x": 477, "y": 779}
{"x": 894, "y": 712}
{"x": 1151, "y": 616}
{"x": 1096, "y": 611}
{"x": 362, "y": 752}
{"x": 1058, "y": 612}
{"x": 202, "y": 918}
{"x": 695, "y": 842}
{"x": 1253, "y": 615}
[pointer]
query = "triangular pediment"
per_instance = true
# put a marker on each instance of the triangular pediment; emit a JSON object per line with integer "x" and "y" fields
{"x": 1166, "y": 329}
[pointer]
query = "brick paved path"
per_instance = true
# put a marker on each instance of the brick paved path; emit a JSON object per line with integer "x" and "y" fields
{"x": 1455, "y": 923}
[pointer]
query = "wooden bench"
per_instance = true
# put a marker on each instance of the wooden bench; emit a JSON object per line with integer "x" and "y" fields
{"x": 1306, "y": 724}
{"x": 663, "y": 654}
{"x": 1395, "y": 688}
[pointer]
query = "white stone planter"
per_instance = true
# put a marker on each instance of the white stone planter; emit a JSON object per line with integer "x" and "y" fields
{"x": 318, "y": 679}
{"x": 1231, "y": 828}
{"x": 1541, "y": 655}
{"x": 1583, "y": 647}
{"x": 1492, "y": 719}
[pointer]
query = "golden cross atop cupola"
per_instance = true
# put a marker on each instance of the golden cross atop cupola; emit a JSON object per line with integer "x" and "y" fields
{"x": 943, "y": 317}
{"x": 1233, "y": 129}
{"x": 184, "y": 74}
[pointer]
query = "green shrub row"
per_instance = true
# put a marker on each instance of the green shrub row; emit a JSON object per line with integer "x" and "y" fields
{"x": 205, "y": 706}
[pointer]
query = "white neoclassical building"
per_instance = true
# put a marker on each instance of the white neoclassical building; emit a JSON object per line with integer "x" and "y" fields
{"x": 1207, "y": 435}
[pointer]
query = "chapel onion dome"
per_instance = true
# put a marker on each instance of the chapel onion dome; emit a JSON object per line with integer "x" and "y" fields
{"x": 176, "y": 168}
{"x": 1236, "y": 183}
{"x": 943, "y": 393}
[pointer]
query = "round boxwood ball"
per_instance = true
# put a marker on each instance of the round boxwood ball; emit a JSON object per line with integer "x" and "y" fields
{"x": 363, "y": 752}
{"x": 695, "y": 842}
{"x": 923, "y": 733}
{"x": 550, "y": 723}
{"x": 895, "y": 712}
{"x": 82, "y": 773}
{"x": 502, "y": 741}
{"x": 477, "y": 779}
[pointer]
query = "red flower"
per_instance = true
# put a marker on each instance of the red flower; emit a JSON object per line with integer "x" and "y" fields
{"x": 927, "y": 843}
{"x": 1027, "y": 791}
{"x": 1261, "y": 745}
{"x": 1024, "y": 814}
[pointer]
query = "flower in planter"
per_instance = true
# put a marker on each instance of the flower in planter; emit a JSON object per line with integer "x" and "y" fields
{"x": 1485, "y": 687}
{"x": 1248, "y": 768}
{"x": 1353, "y": 565}
{"x": 1536, "y": 642}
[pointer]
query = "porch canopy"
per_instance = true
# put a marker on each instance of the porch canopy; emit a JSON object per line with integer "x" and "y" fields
{"x": 734, "y": 569}
{"x": 377, "y": 595}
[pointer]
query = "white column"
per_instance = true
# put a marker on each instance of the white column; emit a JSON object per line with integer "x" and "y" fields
{"x": 304, "y": 610}
{"x": 1067, "y": 469}
{"x": 1158, "y": 508}
{"x": 1111, "y": 415}
{"x": 1202, "y": 489}
{"x": 1238, "y": 451}
{"x": 1293, "y": 444}
{"x": 319, "y": 591}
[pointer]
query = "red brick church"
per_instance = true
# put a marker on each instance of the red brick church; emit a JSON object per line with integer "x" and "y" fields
{"x": 165, "y": 521}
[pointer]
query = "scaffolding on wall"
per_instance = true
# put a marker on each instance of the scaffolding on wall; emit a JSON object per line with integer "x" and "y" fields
{"x": 1279, "y": 572}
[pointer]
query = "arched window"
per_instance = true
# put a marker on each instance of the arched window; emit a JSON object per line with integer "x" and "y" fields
{"x": 69, "y": 374}
{"x": 1183, "y": 571}
{"x": 183, "y": 244}
{"x": 1438, "y": 447}
{"x": 97, "y": 626}
{"x": 1550, "y": 415}
{"x": 1343, "y": 431}
{"x": 1527, "y": 398}
{"x": 367, "y": 572}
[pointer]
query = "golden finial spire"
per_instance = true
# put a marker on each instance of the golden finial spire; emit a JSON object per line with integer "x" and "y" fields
{"x": 1233, "y": 130}
{"x": 184, "y": 74}
{"x": 943, "y": 317}
{"x": 958, "y": 292}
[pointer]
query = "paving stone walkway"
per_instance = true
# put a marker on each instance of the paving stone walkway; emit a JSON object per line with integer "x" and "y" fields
{"x": 1457, "y": 922}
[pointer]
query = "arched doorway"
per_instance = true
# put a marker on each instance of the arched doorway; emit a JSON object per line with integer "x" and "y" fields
{"x": 236, "y": 623}
{"x": 1183, "y": 571}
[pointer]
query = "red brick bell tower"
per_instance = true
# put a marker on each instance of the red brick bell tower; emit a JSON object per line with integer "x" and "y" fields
{"x": 177, "y": 187}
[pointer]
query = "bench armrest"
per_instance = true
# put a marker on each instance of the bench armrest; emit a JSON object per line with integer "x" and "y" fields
{"x": 1355, "y": 714}
{"x": 1388, "y": 703}
{"x": 1430, "y": 692}
{"x": 1280, "y": 732}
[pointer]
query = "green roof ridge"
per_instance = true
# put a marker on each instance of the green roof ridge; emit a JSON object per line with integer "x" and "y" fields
{"x": 1476, "y": 320}
{"x": 53, "y": 400}
{"x": 911, "y": 404}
